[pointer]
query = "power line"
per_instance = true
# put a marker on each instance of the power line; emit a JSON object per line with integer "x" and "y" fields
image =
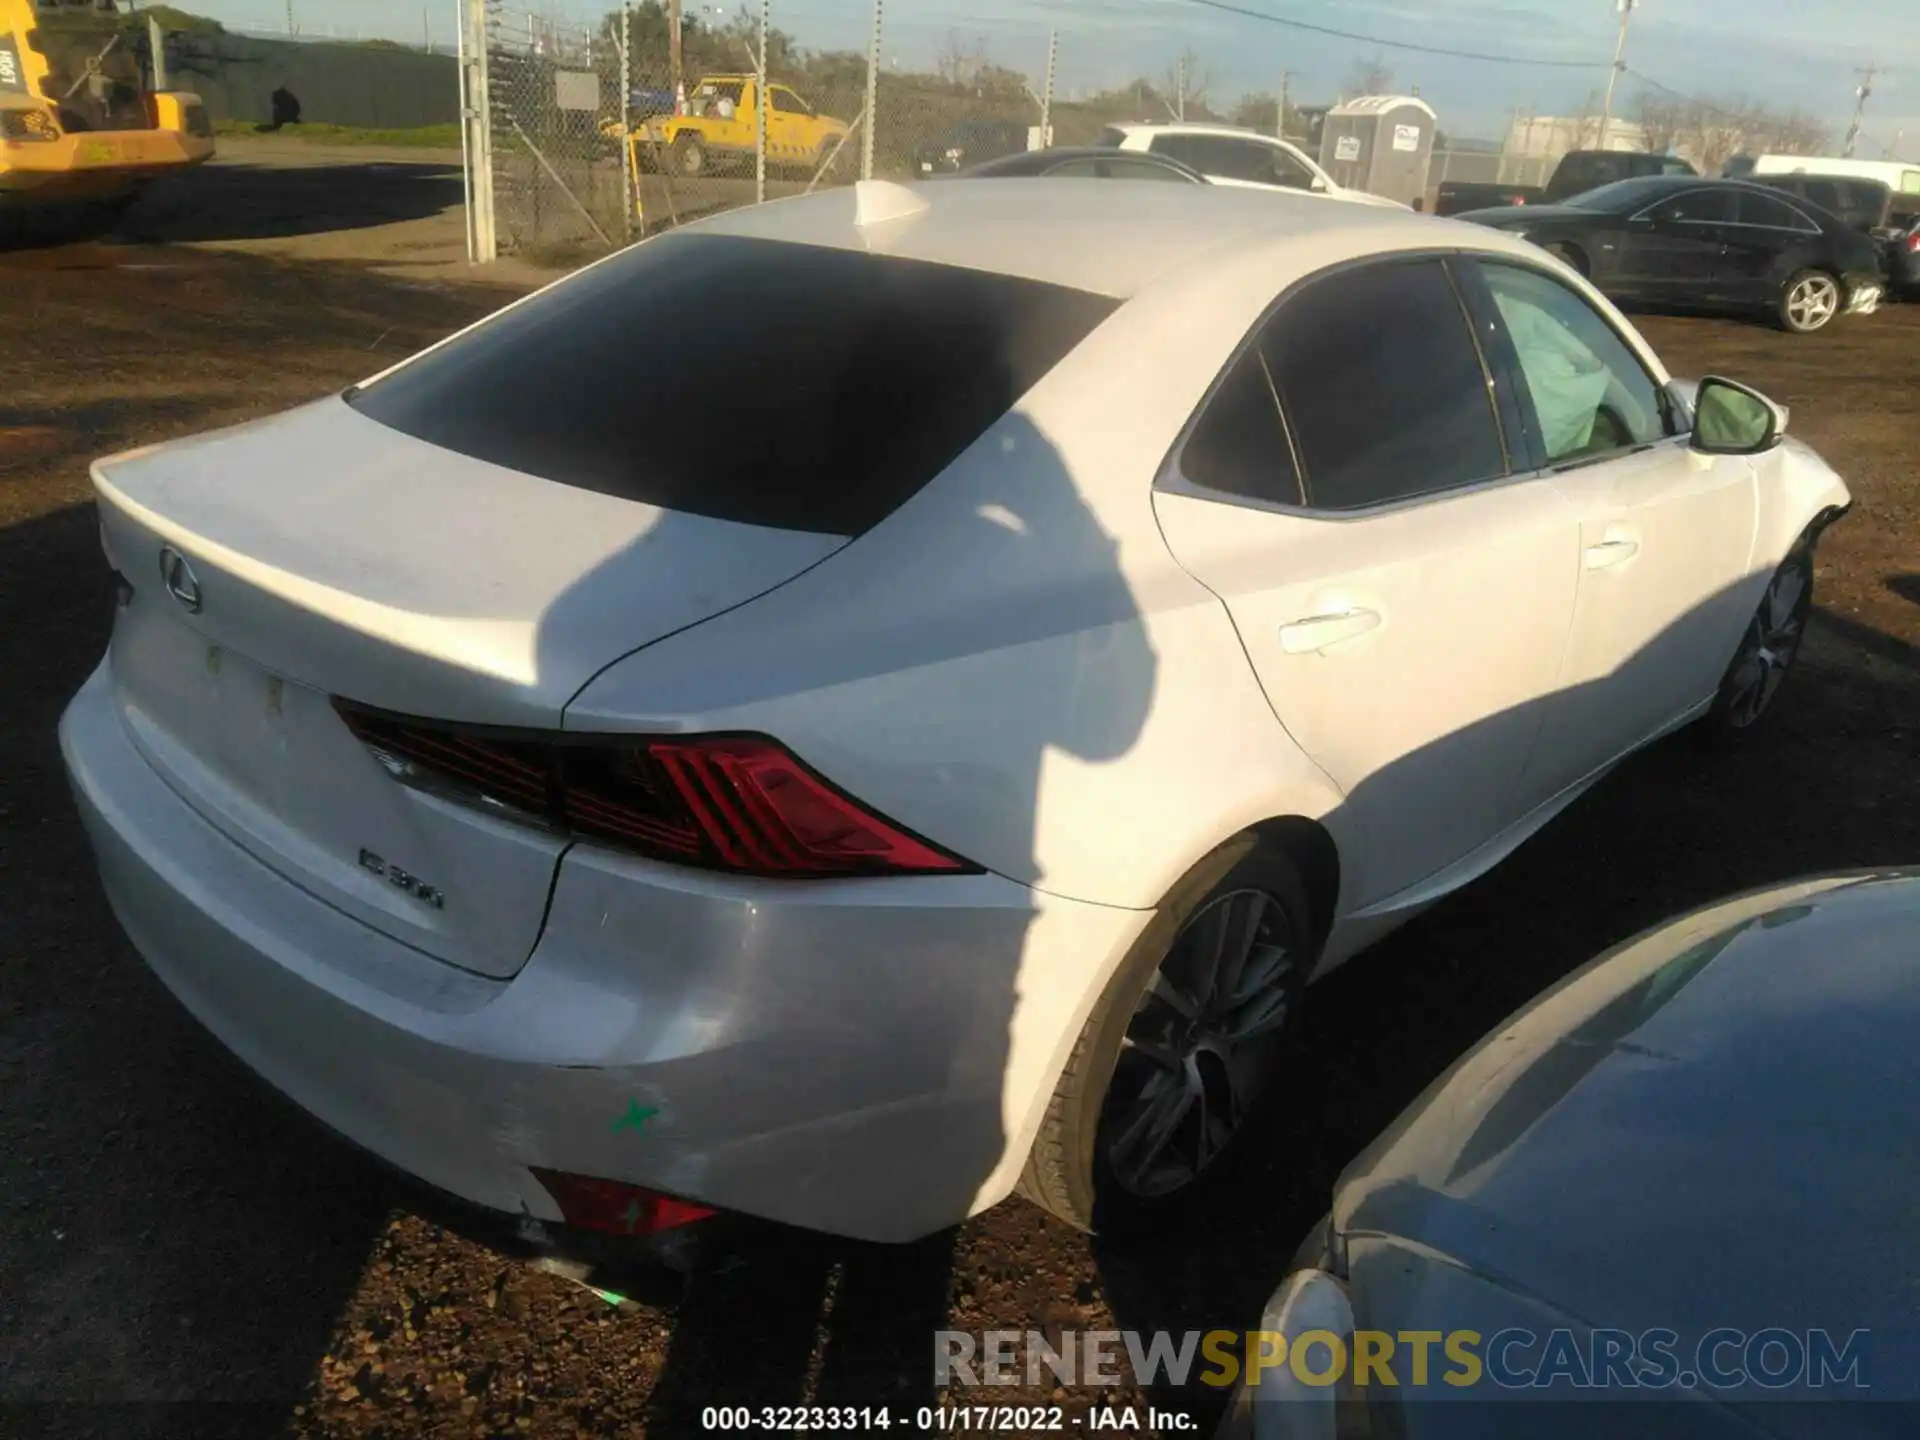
{"x": 1397, "y": 44}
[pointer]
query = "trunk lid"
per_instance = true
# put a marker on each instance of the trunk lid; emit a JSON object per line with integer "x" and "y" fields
{"x": 328, "y": 555}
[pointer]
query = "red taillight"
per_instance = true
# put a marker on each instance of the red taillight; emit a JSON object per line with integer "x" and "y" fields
{"x": 742, "y": 803}
{"x": 613, "y": 1207}
{"x": 1913, "y": 243}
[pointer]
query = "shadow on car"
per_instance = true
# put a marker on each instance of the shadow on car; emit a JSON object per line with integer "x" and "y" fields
{"x": 1669, "y": 830}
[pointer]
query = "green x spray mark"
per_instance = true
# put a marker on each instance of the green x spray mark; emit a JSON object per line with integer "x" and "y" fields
{"x": 636, "y": 1117}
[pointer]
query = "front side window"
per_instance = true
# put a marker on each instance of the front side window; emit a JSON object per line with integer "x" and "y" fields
{"x": 1589, "y": 393}
{"x": 1383, "y": 386}
{"x": 789, "y": 103}
{"x": 1141, "y": 170}
{"x": 1696, "y": 207}
{"x": 1288, "y": 170}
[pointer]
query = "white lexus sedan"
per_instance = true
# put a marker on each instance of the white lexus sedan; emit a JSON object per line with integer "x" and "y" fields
{"x": 871, "y": 702}
{"x": 1233, "y": 155}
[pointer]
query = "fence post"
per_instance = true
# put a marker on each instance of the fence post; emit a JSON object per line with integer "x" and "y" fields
{"x": 476, "y": 132}
{"x": 627, "y": 177}
{"x": 1046, "y": 95}
{"x": 157, "y": 43}
{"x": 873, "y": 91}
{"x": 760, "y": 112}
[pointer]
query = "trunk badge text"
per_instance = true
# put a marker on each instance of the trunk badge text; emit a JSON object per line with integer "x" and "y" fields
{"x": 401, "y": 880}
{"x": 177, "y": 575}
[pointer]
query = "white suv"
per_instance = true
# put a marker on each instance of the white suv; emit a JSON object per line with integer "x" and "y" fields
{"x": 1229, "y": 155}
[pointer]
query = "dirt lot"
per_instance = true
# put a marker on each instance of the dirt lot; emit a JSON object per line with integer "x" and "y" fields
{"x": 184, "y": 1254}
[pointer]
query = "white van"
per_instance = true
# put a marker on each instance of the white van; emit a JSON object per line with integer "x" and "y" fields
{"x": 1900, "y": 177}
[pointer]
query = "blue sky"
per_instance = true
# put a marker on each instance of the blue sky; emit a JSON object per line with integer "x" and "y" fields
{"x": 1790, "y": 52}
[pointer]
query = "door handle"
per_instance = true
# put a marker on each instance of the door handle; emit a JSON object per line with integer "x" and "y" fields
{"x": 1611, "y": 552}
{"x": 1317, "y": 632}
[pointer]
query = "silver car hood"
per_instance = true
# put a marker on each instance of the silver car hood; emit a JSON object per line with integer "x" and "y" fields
{"x": 1711, "y": 1125}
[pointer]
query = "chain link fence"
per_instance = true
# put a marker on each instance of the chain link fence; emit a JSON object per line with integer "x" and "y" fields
{"x": 583, "y": 136}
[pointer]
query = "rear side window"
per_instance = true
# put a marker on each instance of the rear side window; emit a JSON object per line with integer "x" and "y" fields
{"x": 1764, "y": 210}
{"x": 1383, "y": 387}
{"x": 1239, "y": 447}
{"x": 792, "y": 386}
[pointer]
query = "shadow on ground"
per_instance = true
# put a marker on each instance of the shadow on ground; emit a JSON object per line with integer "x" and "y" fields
{"x": 258, "y": 202}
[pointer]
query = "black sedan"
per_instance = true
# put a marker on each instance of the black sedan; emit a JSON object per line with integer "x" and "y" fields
{"x": 1672, "y": 1197}
{"x": 1090, "y": 162}
{"x": 1721, "y": 245}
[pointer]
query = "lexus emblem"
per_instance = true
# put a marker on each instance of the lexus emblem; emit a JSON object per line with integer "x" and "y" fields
{"x": 177, "y": 575}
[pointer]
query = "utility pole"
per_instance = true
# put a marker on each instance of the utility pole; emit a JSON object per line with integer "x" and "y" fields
{"x": 1626, "y": 8}
{"x": 676, "y": 59}
{"x": 292, "y": 29}
{"x": 1861, "y": 96}
{"x": 1046, "y": 100}
{"x": 1280, "y": 116}
{"x": 1180, "y": 88}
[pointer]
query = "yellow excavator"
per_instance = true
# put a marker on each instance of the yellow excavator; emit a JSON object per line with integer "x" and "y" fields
{"x": 81, "y": 129}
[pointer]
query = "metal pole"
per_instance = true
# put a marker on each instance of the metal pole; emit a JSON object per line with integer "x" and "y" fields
{"x": 676, "y": 58}
{"x": 480, "y": 120}
{"x": 760, "y": 112}
{"x": 466, "y": 123}
{"x": 157, "y": 43}
{"x": 626, "y": 123}
{"x": 1861, "y": 96}
{"x": 1046, "y": 96}
{"x": 1180, "y": 89}
{"x": 1280, "y": 117}
{"x": 873, "y": 90}
{"x": 1619, "y": 64}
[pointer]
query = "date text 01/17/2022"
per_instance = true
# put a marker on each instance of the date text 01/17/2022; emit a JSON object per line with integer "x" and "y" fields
{"x": 940, "y": 1419}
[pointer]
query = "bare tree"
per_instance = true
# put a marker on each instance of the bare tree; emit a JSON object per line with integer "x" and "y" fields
{"x": 1662, "y": 118}
{"x": 1370, "y": 77}
{"x": 1186, "y": 83}
{"x": 960, "y": 60}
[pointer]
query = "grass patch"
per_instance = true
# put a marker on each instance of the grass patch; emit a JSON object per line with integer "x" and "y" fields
{"x": 424, "y": 137}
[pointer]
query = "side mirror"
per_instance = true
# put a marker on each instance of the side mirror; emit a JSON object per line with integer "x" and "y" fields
{"x": 1730, "y": 419}
{"x": 1640, "y": 222}
{"x": 1318, "y": 185}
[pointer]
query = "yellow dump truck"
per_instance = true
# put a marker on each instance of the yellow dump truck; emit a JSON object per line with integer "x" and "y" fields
{"x": 718, "y": 130}
{"x": 80, "y": 130}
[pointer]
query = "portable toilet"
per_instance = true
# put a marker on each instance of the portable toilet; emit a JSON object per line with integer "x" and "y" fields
{"x": 1382, "y": 144}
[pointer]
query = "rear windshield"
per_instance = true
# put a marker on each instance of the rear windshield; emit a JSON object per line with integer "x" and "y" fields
{"x": 777, "y": 384}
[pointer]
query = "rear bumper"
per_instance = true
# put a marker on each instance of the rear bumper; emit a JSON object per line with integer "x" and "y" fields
{"x": 867, "y": 1058}
{"x": 1865, "y": 292}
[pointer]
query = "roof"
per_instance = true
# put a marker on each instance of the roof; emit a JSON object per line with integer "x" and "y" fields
{"x": 1381, "y": 104}
{"x": 1111, "y": 239}
{"x": 1193, "y": 127}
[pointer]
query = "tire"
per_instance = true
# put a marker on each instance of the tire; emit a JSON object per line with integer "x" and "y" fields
{"x": 1810, "y": 302}
{"x": 690, "y": 159}
{"x": 1143, "y": 1055}
{"x": 1768, "y": 647}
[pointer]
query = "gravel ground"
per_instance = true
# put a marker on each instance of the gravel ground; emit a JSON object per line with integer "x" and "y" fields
{"x": 182, "y": 1253}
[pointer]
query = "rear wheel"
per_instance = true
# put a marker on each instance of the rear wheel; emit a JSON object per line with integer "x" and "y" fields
{"x": 1809, "y": 301}
{"x": 690, "y": 157}
{"x": 1175, "y": 1058}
